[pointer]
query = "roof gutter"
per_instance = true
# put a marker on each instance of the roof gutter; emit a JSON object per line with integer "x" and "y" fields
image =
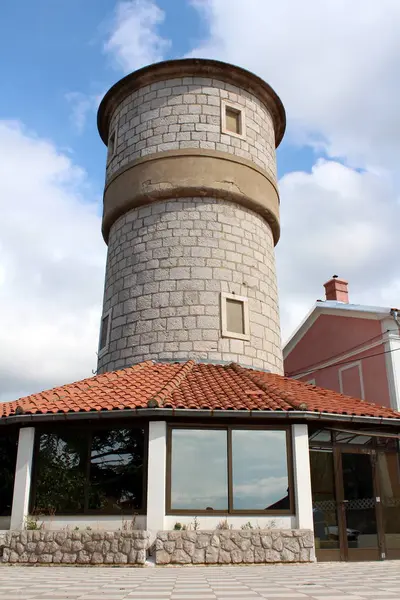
{"x": 32, "y": 419}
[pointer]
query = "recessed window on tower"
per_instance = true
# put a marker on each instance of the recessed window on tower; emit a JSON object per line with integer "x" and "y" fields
{"x": 104, "y": 332}
{"x": 233, "y": 120}
{"x": 235, "y": 316}
{"x": 112, "y": 144}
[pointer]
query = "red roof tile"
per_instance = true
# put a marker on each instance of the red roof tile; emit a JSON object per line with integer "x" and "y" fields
{"x": 191, "y": 386}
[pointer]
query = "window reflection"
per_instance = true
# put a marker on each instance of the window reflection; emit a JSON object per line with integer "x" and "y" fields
{"x": 116, "y": 467}
{"x": 204, "y": 477}
{"x": 259, "y": 470}
{"x": 80, "y": 470}
{"x": 61, "y": 472}
{"x": 8, "y": 459}
{"x": 199, "y": 469}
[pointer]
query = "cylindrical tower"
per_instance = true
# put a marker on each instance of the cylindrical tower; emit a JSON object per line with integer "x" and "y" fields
{"x": 191, "y": 216}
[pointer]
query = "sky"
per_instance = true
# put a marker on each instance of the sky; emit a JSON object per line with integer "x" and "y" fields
{"x": 335, "y": 65}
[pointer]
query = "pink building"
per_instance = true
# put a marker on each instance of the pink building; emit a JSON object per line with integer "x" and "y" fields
{"x": 349, "y": 348}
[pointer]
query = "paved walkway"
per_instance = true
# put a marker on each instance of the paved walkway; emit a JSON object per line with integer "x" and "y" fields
{"x": 324, "y": 581}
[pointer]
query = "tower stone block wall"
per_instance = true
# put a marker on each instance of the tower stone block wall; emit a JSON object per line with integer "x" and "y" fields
{"x": 168, "y": 263}
{"x": 191, "y": 213}
{"x": 186, "y": 113}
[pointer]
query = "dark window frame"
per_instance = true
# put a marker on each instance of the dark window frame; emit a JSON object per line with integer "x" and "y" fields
{"x": 291, "y": 511}
{"x": 90, "y": 428}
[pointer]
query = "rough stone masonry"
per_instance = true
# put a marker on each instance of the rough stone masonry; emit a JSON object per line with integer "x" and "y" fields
{"x": 234, "y": 546}
{"x": 74, "y": 547}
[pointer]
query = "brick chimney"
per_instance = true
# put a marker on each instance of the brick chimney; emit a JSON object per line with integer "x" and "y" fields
{"x": 337, "y": 289}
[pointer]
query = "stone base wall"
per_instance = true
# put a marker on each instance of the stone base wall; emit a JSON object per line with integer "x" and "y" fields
{"x": 75, "y": 547}
{"x": 234, "y": 546}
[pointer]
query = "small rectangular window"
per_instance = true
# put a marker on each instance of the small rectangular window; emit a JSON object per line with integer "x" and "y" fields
{"x": 233, "y": 119}
{"x": 104, "y": 333}
{"x": 235, "y": 316}
{"x": 112, "y": 144}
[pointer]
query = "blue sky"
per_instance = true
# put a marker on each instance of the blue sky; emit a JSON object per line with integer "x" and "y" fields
{"x": 341, "y": 92}
{"x": 59, "y": 51}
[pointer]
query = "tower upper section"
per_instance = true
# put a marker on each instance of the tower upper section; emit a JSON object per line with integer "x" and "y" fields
{"x": 217, "y": 124}
{"x": 191, "y": 216}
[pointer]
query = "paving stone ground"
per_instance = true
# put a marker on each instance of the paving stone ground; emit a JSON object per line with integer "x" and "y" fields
{"x": 323, "y": 581}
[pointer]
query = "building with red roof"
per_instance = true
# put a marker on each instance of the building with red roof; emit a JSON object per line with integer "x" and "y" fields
{"x": 190, "y": 419}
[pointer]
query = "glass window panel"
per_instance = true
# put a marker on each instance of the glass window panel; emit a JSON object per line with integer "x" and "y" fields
{"x": 353, "y": 438}
{"x": 8, "y": 459}
{"x": 235, "y": 316}
{"x": 322, "y": 435}
{"x": 326, "y": 531}
{"x": 388, "y": 469}
{"x": 259, "y": 470}
{"x": 359, "y": 496}
{"x": 116, "y": 470}
{"x": 60, "y": 472}
{"x": 233, "y": 120}
{"x": 199, "y": 469}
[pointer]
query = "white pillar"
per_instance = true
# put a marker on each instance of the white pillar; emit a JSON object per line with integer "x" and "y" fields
{"x": 302, "y": 477}
{"x": 156, "y": 477}
{"x": 22, "y": 481}
{"x": 391, "y": 336}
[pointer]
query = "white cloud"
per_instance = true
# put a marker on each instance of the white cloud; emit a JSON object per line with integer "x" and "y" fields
{"x": 51, "y": 265}
{"x": 134, "y": 40}
{"x": 333, "y": 62}
{"x": 335, "y": 65}
{"x": 337, "y": 220}
{"x": 82, "y": 106}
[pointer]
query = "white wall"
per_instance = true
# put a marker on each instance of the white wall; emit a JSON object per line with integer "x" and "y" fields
{"x": 23, "y": 475}
{"x": 108, "y": 523}
{"x": 302, "y": 477}
{"x": 392, "y": 359}
{"x": 5, "y": 523}
{"x": 210, "y": 522}
{"x": 157, "y": 464}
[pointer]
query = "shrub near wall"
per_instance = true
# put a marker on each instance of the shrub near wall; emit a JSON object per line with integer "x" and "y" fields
{"x": 74, "y": 547}
{"x": 234, "y": 546}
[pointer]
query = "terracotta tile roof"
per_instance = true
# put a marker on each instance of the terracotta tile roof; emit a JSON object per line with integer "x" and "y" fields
{"x": 191, "y": 386}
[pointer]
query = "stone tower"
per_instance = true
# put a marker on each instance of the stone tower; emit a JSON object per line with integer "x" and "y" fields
{"x": 191, "y": 216}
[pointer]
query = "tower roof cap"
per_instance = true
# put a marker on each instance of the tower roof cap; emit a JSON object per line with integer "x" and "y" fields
{"x": 191, "y": 67}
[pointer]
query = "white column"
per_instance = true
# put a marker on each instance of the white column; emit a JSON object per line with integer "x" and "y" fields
{"x": 302, "y": 477}
{"x": 391, "y": 336}
{"x": 22, "y": 481}
{"x": 156, "y": 477}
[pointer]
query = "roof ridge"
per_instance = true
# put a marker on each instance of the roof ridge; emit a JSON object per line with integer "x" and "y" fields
{"x": 256, "y": 377}
{"x": 159, "y": 398}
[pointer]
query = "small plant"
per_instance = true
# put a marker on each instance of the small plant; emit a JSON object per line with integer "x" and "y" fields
{"x": 76, "y": 529}
{"x": 224, "y": 525}
{"x": 178, "y": 526}
{"x": 195, "y": 524}
{"x": 272, "y": 524}
{"x": 247, "y": 525}
{"x": 32, "y": 523}
{"x": 88, "y": 529}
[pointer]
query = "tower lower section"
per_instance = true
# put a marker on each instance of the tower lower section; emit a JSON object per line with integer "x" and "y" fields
{"x": 192, "y": 278}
